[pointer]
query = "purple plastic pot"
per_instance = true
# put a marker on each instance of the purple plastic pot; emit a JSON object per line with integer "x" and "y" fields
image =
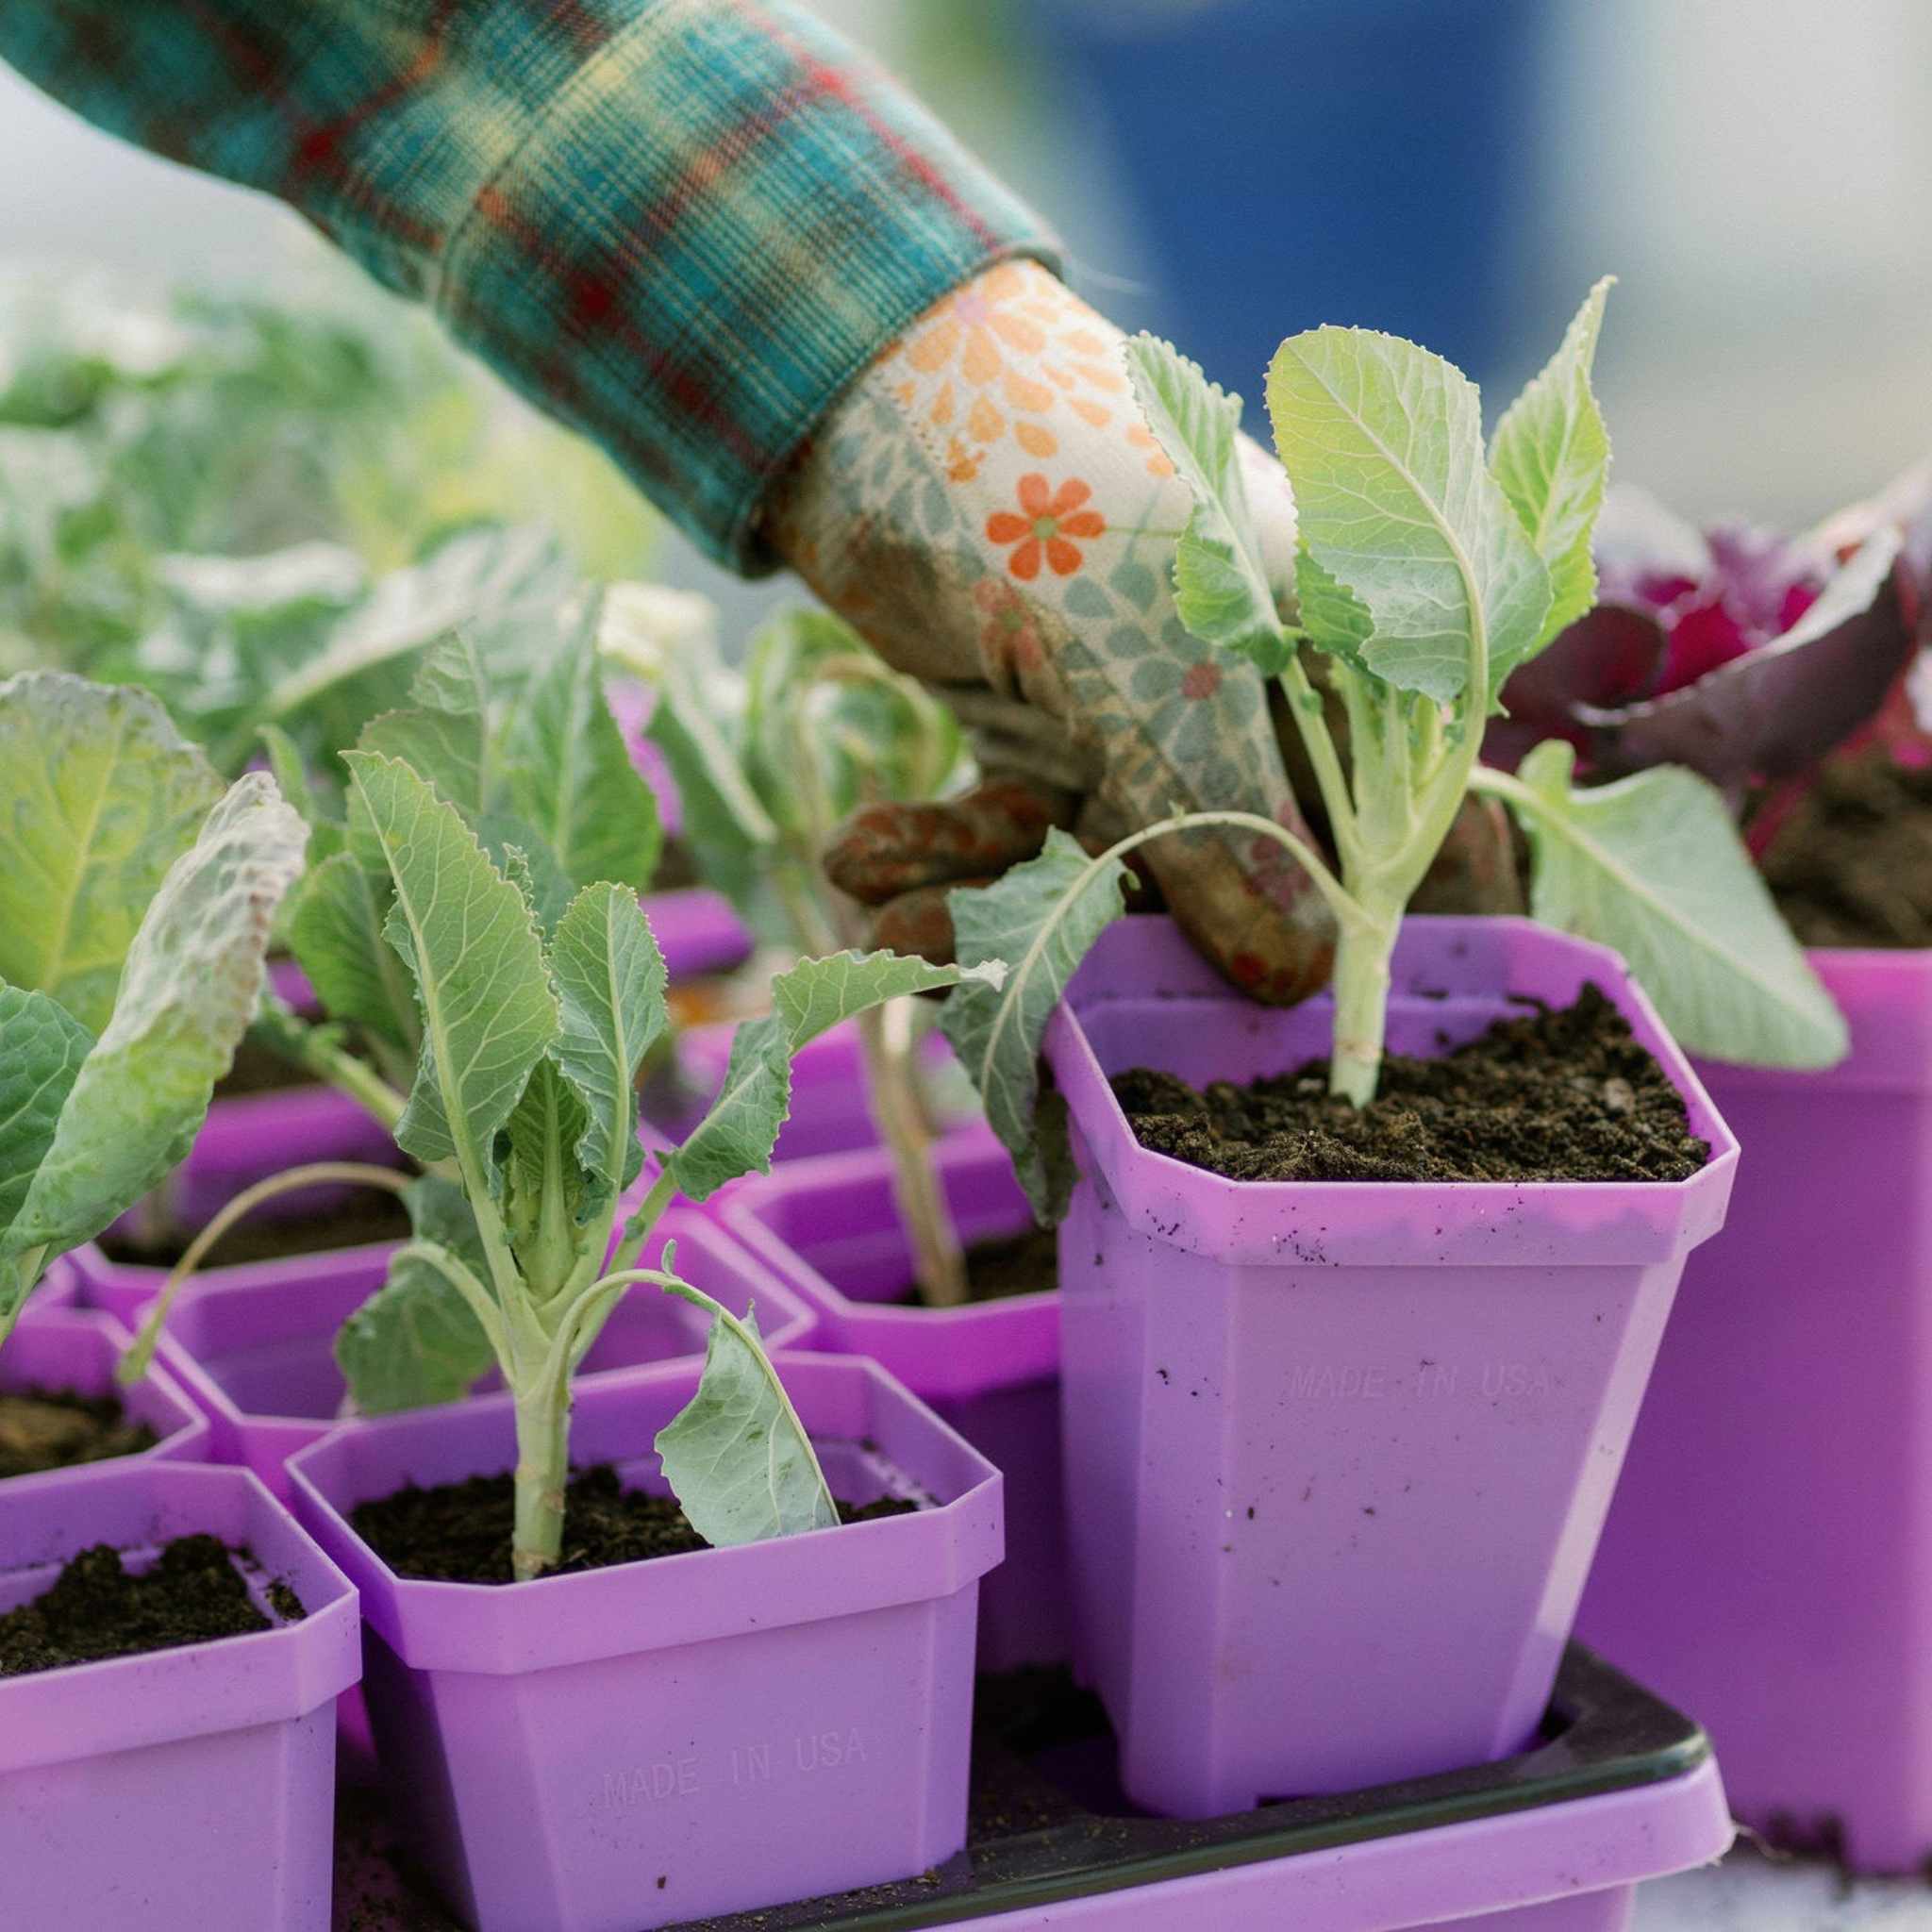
{"x": 828, "y": 1228}
{"x": 77, "y": 1349}
{"x": 1337, "y": 1454}
{"x": 697, "y": 932}
{"x": 123, "y": 1288}
{"x": 1777, "y": 1485}
{"x": 59, "y": 1288}
{"x": 257, "y": 1358}
{"x": 624, "y": 1748}
{"x": 190, "y": 1789}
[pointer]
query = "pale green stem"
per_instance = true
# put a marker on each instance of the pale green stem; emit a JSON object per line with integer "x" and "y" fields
{"x": 542, "y": 1470}
{"x": 637, "y": 1230}
{"x": 1305, "y": 705}
{"x": 1362, "y": 1007}
{"x": 939, "y": 1261}
{"x": 134, "y": 1364}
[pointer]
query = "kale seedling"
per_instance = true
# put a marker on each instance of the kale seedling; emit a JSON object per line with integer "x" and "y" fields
{"x": 136, "y": 898}
{"x": 1427, "y": 570}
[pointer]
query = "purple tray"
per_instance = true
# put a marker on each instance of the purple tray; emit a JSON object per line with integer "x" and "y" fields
{"x": 1619, "y": 1787}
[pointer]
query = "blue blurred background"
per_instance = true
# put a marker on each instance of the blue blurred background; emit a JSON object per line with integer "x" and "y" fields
{"x": 1458, "y": 171}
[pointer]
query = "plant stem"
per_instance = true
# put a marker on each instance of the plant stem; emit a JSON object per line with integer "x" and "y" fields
{"x": 286, "y": 1033}
{"x": 1361, "y": 1008}
{"x": 134, "y": 1364}
{"x": 886, "y": 1040}
{"x": 542, "y": 1470}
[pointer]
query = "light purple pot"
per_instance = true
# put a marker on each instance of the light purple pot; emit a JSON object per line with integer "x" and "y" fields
{"x": 59, "y": 1288}
{"x": 123, "y": 1288}
{"x": 1337, "y": 1454}
{"x": 77, "y": 1349}
{"x": 697, "y": 932}
{"x": 188, "y": 1789}
{"x": 621, "y": 1749}
{"x": 1769, "y": 1560}
{"x": 830, "y": 1111}
{"x": 258, "y": 1357}
{"x": 829, "y": 1229}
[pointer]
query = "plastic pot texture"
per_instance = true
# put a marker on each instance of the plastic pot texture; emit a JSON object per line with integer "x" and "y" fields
{"x": 77, "y": 1350}
{"x": 828, "y": 1228}
{"x": 1337, "y": 1454}
{"x": 624, "y": 1748}
{"x": 1779, "y": 1477}
{"x": 259, "y": 1360}
{"x": 190, "y": 1789}
{"x": 123, "y": 1288}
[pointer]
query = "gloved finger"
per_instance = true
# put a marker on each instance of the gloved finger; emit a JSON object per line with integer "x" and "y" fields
{"x": 920, "y": 923}
{"x": 885, "y": 850}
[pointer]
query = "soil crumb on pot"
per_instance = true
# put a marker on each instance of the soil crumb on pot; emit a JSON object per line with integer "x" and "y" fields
{"x": 367, "y": 1218}
{"x": 1025, "y": 1263}
{"x": 460, "y": 1532}
{"x": 96, "y": 1608}
{"x": 1852, "y": 866}
{"x": 58, "y": 1428}
{"x": 1560, "y": 1094}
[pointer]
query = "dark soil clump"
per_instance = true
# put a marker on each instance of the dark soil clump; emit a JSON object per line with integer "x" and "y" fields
{"x": 1016, "y": 1264}
{"x": 1560, "y": 1094}
{"x": 460, "y": 1532}
{"x": 57, "y": 1428}
{"x": 366, "y": 1217}
{"x": 1852, "y": 866}
{"x": 95, "y": 1608}
{"x": 258, "y": 1069}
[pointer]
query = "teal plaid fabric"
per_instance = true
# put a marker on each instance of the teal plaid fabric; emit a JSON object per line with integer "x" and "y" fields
{"x": 682, "y": 226}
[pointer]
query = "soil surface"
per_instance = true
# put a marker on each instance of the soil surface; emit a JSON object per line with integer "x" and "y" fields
{"x": 1018, "y": 1265}
{"x": 1852, "y": 866}
{"x": 368, "y": 1216}
{"x": 58, "y": 1428}
{"x": 1560, "y": 1094}
{"x": 460, "y": 1532}
{"x": 95, "y": 1608}
{"x": 256, "y": 1070}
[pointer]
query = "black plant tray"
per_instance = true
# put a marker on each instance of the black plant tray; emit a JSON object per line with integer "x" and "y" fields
{"x": 1049, "y": 1823}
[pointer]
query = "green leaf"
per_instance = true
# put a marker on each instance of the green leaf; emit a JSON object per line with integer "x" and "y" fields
{"x": 335, "y": 932}
{"x": 572, "y": 776}
{"x": 1383, "y": 444}
{"x": 736, "y": 1456}
{"x": 444, "y": 734}
{"x": 737, "y": 1136}
{"x": 415, "y": 1342}
{"x": 1551, "y": 454}
{"x": 1653, "y": 866}
{"x": 518, "y": 850}
{"x": 194, "y": 976}
{"x": 1042, "y": 917}
{"x": 467, "y": 934}
{"x": 42, "y": 1048}
{"x": 611, "y": 977}
{"x": 1220, "y": 585}
{"x": 99, "y": 795}
{"x": 547, "y": 1191}
{"x": 291, "y": 774}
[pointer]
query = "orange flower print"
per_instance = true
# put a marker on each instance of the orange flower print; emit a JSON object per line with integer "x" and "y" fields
{"x": 1044, "y": 527}
{"x": 977, "y": 325}
{"x": 1009, "y": 642}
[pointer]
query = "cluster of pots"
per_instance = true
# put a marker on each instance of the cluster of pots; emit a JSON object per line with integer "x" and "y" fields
{"x": 1305, "y": 1482}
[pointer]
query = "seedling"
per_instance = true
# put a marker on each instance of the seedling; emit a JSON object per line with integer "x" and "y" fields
{"x": 137, "y": 897}
{"x": 1426, "y": 574}
{"x": 768, "y": 766}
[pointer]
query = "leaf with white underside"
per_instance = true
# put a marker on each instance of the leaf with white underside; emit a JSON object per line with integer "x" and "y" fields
{"x": 736, "y": 1456}
{"x": 42, "y": 1048}
{"x": 1042, "y": 918}
{"x": 467, "y": 934}
{"x": 737, "y": 1135}
{"x": 572, "y": 774}
{"x": 99, "y": 795}
{"x": 1653, "y": 866}
{"x": 193, "y": 977}
{"x": 1551, "y": 454}
{"x": 416, "y": 1341}
{"x": 610, "y": 978}
{"x": 1383, "y": 444}
{"x": 1220, "y": 586}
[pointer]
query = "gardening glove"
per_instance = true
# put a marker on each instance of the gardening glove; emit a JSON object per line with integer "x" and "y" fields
{"x": 990, "y": 510}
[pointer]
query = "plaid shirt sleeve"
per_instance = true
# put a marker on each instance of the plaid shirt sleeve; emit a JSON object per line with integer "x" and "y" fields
{"x": 682, "y": 226}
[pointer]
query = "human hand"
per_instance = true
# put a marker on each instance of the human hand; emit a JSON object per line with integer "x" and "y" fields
{"x": 988, "y": 507}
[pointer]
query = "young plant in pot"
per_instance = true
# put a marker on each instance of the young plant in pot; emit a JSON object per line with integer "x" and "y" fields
{"x": 151, "y": 1677}
{"x": 138, "y": 896}
{"x": 1350, "y": 1354}
{"x": 1761, "y": 1478}
{"x": 531, "y": 1714}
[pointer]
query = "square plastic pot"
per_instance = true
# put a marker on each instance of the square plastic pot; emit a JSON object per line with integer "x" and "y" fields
{"x": 190, "y": 1789}
{"x": 628, "y": 1747}
{"x": 1337, "y": 1454}
{"x": 829, "y": 1229}
{"x": 123, "y": 1288}
{"x": 1781, "y": 1473}
{"x": 257, "y": 1356}
{"x": 77, "y": 1349}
